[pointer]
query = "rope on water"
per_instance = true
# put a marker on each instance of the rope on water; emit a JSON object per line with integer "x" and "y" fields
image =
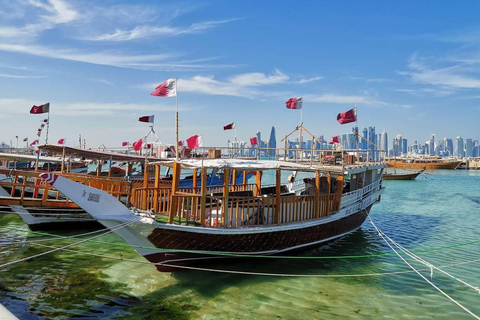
{"x": 254, "y": 273}
{"x": 431, "y": 266}
{"x": 68, "y": 245}
{"x": 56, "y": 237}
{"x": 380, "y": 233}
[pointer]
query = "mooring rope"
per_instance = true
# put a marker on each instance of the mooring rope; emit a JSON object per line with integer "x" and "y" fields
{"x": 431, "y": 266}
{"x": 254, "y": 273}
{"x": 56, "y": 237}
{"x": 380, "y": 233}
{"x": 66, "y": 246}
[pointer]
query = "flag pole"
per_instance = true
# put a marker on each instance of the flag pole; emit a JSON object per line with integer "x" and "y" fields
{"x": 356, "y": 133}
{"x": 176, "y": 122}
{"x": 48, "y": 124}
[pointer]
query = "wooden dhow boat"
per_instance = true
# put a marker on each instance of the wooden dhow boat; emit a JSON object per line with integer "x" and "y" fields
{"x": 420, "y": 163}
{"x": 404, "y": 175}
{"x": 315, "y": 204}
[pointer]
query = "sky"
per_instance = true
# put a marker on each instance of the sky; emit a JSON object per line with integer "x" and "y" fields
{"x": 410, "y": 67}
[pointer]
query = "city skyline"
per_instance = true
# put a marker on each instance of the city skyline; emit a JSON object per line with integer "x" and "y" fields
{"x": 405, "y": 69}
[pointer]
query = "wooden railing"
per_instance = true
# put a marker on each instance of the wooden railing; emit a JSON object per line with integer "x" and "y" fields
{"x": 158, "y": 200}
{"x": 28, "y": 189}
{"x": 234, "y": 212}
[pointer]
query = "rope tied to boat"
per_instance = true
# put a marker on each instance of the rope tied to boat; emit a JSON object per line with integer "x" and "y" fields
{"x": 385, "y": 237}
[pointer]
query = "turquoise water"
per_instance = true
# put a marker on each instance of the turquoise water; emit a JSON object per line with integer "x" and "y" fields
{"x": 437, "y": 216}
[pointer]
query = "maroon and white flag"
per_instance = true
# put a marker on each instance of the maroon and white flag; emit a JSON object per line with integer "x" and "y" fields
{"x": 253, "y": 141}
{"x": 294, "y": 103}
{"x": 229, "y": 126}
{"x": 61, "y": 141}
{"x": 34, "y": 142}
{"x": 194, "y": 141}
{"x": 166, "y": 89}
{"x": 335, "y": 139}
{"x": 124, "y": 143}
{"x": 347, "y": 116}
{"x": 25, "y": 140}
{"x": 44, "y": 108}
{"x": 137, "y": 145}
{"x": 146, "y": 119}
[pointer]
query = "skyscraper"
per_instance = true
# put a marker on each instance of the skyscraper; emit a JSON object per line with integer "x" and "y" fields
{"x": 432, "y": 144}
{"x": 384, "y": 141}
{"x": 468, "y": 147}
{"x": 448, "y": 146}
{"x": 272, "y": 143}
{"x": 459, "y": 150}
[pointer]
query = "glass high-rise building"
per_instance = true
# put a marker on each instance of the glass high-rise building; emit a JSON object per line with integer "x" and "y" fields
{"x": 468, "y": 147}
{"x": 384, "y": 141}
{"x": 272, "y": 144}
{"x": 459, "y": 149}
{"x": 432, "y": 144}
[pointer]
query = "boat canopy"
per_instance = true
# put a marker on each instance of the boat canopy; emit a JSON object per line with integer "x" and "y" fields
{"x": 27, "y": 157}
{"x": 237, "y": 164}
{"x": 94, "y": 154}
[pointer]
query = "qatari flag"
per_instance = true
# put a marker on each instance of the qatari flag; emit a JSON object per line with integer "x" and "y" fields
{"x": 137, "y": 145}
{"x": 347, "y": 116}
{"x": 253, "y": 141}
{"x": 335, "y": 139}
{"x": 166, "y": 89}
{"x": 44, "y": 108}
{"x": 146, "y": 119}
{"x": 194, "y": 141}
{"x": 229, "y": 126}
{"x": 124, "y": 143}
{"x": 294, "y": 103}
{"x": 61, "y": 141}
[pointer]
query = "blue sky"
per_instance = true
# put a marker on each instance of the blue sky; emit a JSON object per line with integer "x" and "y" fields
{"x": 411, "y": 67}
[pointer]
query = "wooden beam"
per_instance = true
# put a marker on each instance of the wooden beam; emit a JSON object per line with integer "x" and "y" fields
{"x": 203, "y": 195}
{"x": 278, "y": 182}
{"x": 194, "y": 181}
{"x": 317, "y": 194}
{"x": 157, "y": 185}
{"x": 258, "y": 184}
{"x": 175, "y": 184}
{"x": 226, "y": 191}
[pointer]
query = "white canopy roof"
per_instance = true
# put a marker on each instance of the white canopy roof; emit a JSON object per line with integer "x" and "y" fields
{"x": 238, "y": 164}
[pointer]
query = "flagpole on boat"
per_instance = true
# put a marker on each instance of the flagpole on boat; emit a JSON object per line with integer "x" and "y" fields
{"x": 356, "y": 133}
{"x": 300, "y": 134}
{"x": 176, "y": 122}
{"x": 48, "y": 124}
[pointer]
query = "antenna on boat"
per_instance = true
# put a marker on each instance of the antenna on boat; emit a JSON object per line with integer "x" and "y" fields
{"x": 176, "y": 121}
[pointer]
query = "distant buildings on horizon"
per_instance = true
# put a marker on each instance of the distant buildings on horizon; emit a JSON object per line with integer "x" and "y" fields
{"x": 369, "y": 141}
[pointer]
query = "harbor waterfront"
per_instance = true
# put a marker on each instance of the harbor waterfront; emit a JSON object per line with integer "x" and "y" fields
{"x": 357, "y": 276}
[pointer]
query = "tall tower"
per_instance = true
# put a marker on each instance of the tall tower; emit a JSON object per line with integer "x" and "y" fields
{"x": 272, "y": 143}
{"x": 384, "y": 141}
{"x": 468, "y": 147}
{"x": 459, "y": 147}
{"x": 432, "y": 144}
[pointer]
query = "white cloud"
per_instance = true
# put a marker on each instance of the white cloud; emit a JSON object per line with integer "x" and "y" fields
{"x": 241, "y": 85}
{"x": 344, "y": 99}
{"x": 258, "y": 79}
{"x": 3, "y": 75}
{"x": 145, "y": 62}
{"x": 444, "y": 72}
{"x": 104, "y": 81}
{"x": 144, "y": 31}
{"x": 301, "y": 81}
{"x": 50, "y": 14}
{"x": 22, "y": 106}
